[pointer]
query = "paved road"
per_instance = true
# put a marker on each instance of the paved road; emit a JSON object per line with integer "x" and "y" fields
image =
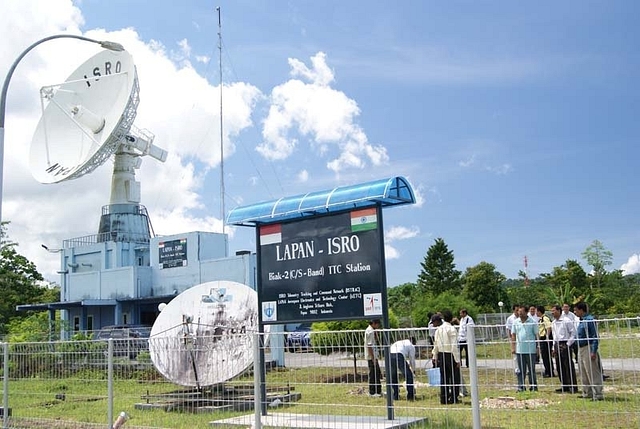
{"x": 339, "y": 360}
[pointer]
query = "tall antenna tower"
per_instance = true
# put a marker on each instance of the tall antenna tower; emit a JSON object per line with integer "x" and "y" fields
{"x": 526, "y": 269}
{"x": 222, "y": 211}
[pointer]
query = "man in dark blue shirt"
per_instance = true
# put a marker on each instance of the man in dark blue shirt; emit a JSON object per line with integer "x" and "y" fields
{"x": 588, "y": 356}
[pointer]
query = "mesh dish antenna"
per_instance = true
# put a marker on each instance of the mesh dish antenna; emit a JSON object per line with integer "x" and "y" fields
{"x": 87, "y": 119}
{"x": 204, "y": 336}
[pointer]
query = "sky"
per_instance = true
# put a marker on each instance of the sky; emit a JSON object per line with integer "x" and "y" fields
{"x": 515, "y": 123}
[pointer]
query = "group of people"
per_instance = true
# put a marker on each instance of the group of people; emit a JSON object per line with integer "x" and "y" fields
{"x": 533, "y": 337}
{"x": 448, "y": 345}
{"x": 402, "y": 356}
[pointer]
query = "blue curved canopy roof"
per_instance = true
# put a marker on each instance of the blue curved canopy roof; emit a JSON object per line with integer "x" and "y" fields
{"x": 384, "y": 192}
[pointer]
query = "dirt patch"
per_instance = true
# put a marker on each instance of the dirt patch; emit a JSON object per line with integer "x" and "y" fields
{"x": 509, "y": 402}
{"x": 345, "y": 378}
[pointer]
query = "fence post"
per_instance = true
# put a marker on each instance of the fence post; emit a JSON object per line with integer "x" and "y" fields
{"x": 5, "y": 386}
{"x": 110, "y": 382}
{"x": 257, "y": 385}
{"x": 473, "y": 375}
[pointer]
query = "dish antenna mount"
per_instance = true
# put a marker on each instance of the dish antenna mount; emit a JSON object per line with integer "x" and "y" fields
{"x": 86, "y": 120}
{"x": 205, "y": 335}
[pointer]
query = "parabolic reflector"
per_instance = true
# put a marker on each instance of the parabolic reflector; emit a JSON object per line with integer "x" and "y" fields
{"x": 204, "y": 336}
{"x": 85, "y": 118}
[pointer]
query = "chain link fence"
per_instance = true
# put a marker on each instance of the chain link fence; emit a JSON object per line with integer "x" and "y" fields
{"x": 322, "y": 383}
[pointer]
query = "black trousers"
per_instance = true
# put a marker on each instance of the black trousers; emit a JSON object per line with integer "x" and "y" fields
{"x": 545, "y": 351}
{"x": 463, "y": 346}
{"x": 566, "y": 368}
{"x": 449, "y": 378}
{"x": 574, "y": 351}
{"x": 375, "y": 377}
{"x": 398, "y": 362}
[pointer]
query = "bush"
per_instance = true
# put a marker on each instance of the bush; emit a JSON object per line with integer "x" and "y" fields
{"x": 326, "y": 340}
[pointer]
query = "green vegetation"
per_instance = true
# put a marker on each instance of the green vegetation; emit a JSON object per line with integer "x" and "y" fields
{"x": 20, "y": 282}
{"x": 440, "y": 286}
{"x": 325, "y": 391}
{"x": 68, "y": 380}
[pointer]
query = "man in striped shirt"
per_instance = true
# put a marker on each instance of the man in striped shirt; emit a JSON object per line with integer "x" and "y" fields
{"x": 524, "y": 340}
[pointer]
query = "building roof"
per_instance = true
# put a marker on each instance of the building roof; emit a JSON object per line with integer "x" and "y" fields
{"x": 384, "y": 192}
{"x": 64, "y": 305}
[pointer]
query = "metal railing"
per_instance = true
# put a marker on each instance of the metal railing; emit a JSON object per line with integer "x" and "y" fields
{"x": 86, "y": 383}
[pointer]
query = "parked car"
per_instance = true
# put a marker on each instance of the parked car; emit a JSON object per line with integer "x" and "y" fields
{"x": 128, "y": 340}
{"x": 299, "y": 339}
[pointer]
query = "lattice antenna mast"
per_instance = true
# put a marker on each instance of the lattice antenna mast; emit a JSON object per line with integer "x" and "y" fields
{"x": 222, "y": 210}
{"x": 526, "y": 273}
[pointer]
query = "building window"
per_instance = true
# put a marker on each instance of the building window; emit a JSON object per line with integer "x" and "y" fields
{"x": 76, "y": 323}
{"x": 90, "y": 323}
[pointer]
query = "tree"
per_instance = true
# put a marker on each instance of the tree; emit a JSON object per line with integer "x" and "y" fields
{"x": 438, "y": 270}
{"x": 448, "y": 300}
{"x": 482, "y": 284}
{"x": 598, "y": 257}
{"x": 35, "y": 327}
{"x": 19, "y": 281}
{"x": 401, "y": 299}
{"x": 567, "y": 283}
{"x": 537, "y": 293}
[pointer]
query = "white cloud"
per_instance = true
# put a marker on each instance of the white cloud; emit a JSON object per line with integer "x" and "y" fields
{"x": 417, "y": 193}
{"x": 303, "y": 176}
{"x": 394, "y": 234}
{"x": 320, "y": 74}
{"x": 500, "y": 170}
{"x": 390, "y": 252}
{"x": 480, "y": 154}
{"x": 320, "y": 113}
{"x": 424, "y": 194}
{"x": 468, "y": 162}
{"x": 632, "y": 266}
{"x": 203, "y": 59}
{"x": 185, "y": 48}
{"x": 175, "y": 104}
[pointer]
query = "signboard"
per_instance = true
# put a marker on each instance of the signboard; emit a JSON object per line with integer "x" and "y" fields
{"x": 322, "y": 268}
{"x": 172, "y": 253}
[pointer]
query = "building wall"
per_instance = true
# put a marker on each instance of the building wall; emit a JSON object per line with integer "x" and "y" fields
{"x": 107, "y": 276}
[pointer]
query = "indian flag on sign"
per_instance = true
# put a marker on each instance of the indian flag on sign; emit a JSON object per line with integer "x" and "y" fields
{"x": 364, "y": 220}
{"x": 270, "y": 234}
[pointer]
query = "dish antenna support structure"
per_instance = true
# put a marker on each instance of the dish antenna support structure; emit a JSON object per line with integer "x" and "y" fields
{"x": 86, "y": 120}
{"x": 113, "y": 46}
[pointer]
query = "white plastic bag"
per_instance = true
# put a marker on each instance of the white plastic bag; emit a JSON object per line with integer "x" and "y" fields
{"x": 434, "y": 376}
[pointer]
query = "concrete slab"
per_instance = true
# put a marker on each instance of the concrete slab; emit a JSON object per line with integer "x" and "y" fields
{"x": 314, "y": 421}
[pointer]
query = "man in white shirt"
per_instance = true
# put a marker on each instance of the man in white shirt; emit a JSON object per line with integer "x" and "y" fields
{"x": 533, "y": 313}
{"x": 432, "y": 329}
{"x": 564, "y": 336}
{"x": 371, "y": 354}
{"x": 465, "y": 321}
{"x": 402, "y": 355}
{"x": 511, "y": 319}
{"x": 446, "y": 356}
{"x": 567, "y": 313}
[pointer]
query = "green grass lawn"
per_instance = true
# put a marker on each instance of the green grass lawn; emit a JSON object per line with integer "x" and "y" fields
{"x": 85, "y": 400}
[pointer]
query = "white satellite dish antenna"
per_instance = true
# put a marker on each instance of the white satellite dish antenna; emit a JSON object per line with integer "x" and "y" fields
{"x": 204, "y": 336}
{"x": 86, "y": 120}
